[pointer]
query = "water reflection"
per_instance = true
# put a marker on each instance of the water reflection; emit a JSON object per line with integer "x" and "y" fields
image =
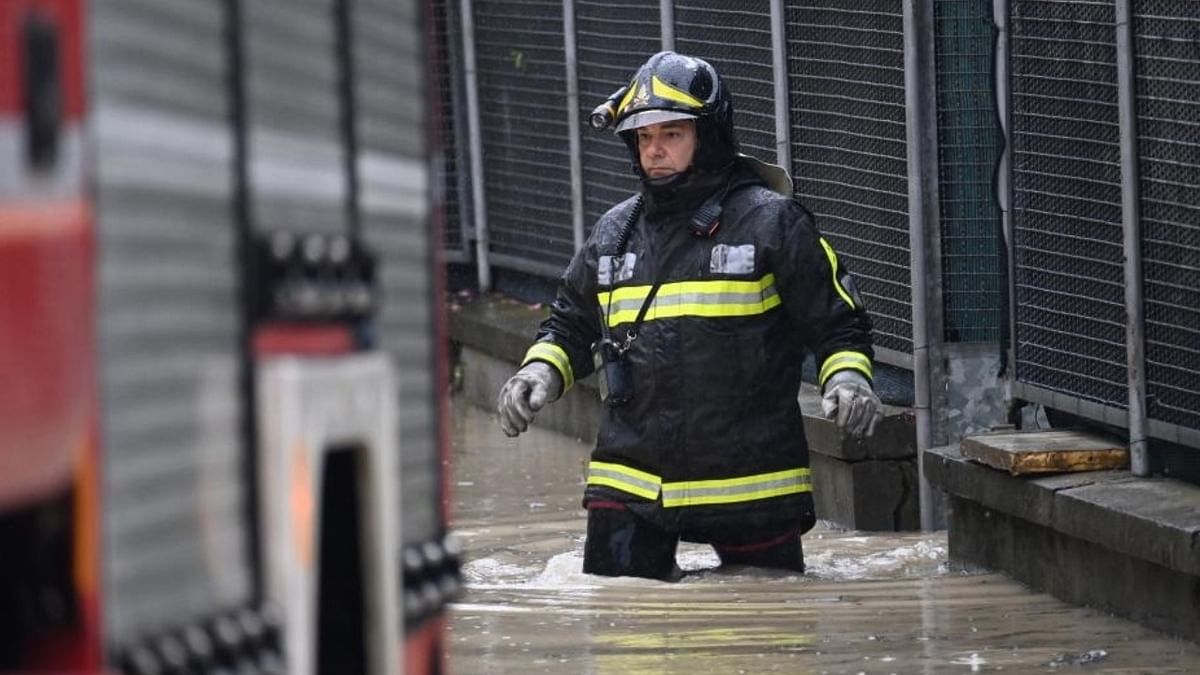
{"x": 868, "y": 603}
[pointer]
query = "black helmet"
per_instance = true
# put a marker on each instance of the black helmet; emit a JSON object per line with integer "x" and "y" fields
{"x": 672, "y": 86}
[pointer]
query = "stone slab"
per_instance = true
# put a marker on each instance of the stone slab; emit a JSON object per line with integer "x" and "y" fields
{"x": 869, "y": 495}
{"x": 1058, "y": 451}
{"x": 1031, "y": 498}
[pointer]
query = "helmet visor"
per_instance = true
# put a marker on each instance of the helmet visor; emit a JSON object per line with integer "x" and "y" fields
{"x": 647, "y": 117}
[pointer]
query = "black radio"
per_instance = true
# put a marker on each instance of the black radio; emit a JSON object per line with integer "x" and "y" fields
{"x": 612, "y": 372}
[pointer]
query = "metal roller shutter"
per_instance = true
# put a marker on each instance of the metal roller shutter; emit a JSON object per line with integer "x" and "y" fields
{"x": 296, "y": 161}
{"x": 394, "y": 180}
{"x": 174, "y": 532}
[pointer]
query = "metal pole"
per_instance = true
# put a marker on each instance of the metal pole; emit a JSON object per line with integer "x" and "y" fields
{"x": 921, "y": 129}
{"x": 783, "y": 122}
{"x": 1135, "y": 343}
{"x": 1003, "y": 86}
{"x": 475, "y": 140}
{"x": 462, "y": 155}
{"x": 667, "y": 9}
{"x": 574, "y": 144}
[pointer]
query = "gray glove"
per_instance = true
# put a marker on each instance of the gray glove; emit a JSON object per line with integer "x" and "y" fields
{"x": 850, "y": 397}
{"x": 525, "y": 393}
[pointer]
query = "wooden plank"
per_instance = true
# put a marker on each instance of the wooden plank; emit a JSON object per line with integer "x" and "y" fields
{"x": 1027, "y": 452}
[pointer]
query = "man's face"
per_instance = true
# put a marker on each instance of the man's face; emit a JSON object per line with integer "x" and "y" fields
{"x": 666, "y": 148}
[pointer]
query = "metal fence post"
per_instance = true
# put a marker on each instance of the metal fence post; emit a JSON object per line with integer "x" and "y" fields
{"x": 666, "y": 10}
{"x": 779, "y": 62}
{"x": 924, "y": 236}
{"x": 574, "y": 144}
{"x": 1135, "y": 345}
{"x": 475, "y": 140}
{"x": 1003, "y": 86}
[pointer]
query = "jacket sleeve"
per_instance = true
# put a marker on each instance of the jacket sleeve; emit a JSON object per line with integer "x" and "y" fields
{"x": 819, "y": 294}
{"x": 564, "y": 339}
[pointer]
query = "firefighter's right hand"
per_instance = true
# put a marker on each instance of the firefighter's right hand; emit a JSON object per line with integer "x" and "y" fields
{"x": 525, "y": 393}
{"x": 850, "y": 400}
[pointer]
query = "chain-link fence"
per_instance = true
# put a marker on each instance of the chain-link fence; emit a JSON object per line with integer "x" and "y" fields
{"x": 1070, "y": 305}
{"x": 449, "y": 114}
{"x": 736, "y": 39}
{"x": 845, "y": 129}
{"x": 849, "y": 158}
{"x": 969, "y": 146}
{"x": 613, "y": 38}
{"x": 522, "y": 71}
{"x": 1167, "y": 45}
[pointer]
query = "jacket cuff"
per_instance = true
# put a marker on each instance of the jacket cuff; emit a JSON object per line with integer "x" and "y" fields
{"x": 845, "y": 361}
{"x": 555, "y": 356}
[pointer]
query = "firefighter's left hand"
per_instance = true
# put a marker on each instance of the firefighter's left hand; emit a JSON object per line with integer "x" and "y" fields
{"x": 849, "y": 396}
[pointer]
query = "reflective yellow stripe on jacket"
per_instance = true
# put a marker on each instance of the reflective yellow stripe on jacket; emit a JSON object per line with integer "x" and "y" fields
{"x": 624, "y": 479}
{"x": 718, "y": 298}
{"x": 700, "y": 492}
{"x": 845, "y": 361}
{"x": 555, "y": 356}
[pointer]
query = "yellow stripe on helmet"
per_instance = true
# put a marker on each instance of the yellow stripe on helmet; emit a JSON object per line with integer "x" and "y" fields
{"x": 663, "y": 90}
{"x": 633, "y": 89}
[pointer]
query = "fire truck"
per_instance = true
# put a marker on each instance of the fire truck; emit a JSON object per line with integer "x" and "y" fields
{"x": 222, "y": 381}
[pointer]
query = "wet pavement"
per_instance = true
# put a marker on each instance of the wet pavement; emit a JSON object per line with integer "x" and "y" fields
{"x": 869, "y": 603}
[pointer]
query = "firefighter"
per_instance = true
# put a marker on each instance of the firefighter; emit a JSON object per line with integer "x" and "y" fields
{"x": 694, "y": 302}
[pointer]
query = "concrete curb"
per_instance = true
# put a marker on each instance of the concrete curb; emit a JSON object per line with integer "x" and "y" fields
{"x": 1102, "y": 538}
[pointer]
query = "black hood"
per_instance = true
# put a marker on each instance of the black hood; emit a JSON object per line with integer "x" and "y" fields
{"x": 683, "y": 193}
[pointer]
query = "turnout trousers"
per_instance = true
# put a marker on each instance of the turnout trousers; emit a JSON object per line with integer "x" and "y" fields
{"x": 622, "y": 543}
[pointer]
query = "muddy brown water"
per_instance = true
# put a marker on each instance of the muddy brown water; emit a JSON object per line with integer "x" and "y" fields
{"x": 869, "y": 602}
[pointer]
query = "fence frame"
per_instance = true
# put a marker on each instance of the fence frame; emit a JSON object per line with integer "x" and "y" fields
{"x": 926, "y": 359}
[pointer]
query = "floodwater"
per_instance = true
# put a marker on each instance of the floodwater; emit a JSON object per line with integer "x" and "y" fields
{"x": 869, "y": 603}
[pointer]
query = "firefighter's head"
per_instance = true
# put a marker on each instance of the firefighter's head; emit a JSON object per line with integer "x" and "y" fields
{"x": 679, "y": 101}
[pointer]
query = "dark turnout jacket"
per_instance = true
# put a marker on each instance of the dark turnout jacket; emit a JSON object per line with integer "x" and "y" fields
{"x": 712, "y": 439}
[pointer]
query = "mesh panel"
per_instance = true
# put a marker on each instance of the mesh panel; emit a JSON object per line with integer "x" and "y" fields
{"x": 846, "y": 69}
{"x": 968, "y": 147}
{"x": 523, "y": 109}
{"x": 737, "y": 42}
{"x": 1168, "y": 108}
{"x": 445, "y": 50}
{"x": 613, "y": 38}
{"x": 1067, "y": 200}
